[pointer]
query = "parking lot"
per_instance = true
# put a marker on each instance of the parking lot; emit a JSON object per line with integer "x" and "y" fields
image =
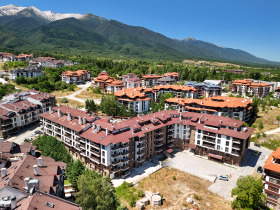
{"x": 25, "y": 133}
{"x": 209, "y": 170}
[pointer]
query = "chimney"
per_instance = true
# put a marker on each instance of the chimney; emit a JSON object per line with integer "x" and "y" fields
{"x": 106, "y": 131}
{"x": 50, "y": 110}
{"x": 40, "y": 162}
{"x": 98, "y": 128}
{"x": 35, "y": 169}
{"x": 3, "y": 172}
{"x": 58, "y": 113}
{"x": 68, "y": 116}
{"x": 220, "y": 121}
{"x": 13, "y": 202}
{"x": 80, "y": 120}
{"x": 84, "y": 120}
{"x": 26, "y": 181}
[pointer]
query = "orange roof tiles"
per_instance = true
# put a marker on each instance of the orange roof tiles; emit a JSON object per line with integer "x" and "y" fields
{"x": 217, "y": 101}
{"x": 249, "y": 82}
{"x": 174, "y": 87}
{"x": 270, "y": 164}
{"x": 75, "y": 73}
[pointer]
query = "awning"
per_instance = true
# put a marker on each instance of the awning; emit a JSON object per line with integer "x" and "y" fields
{"x": 192, "y": 146}
{"x": 219, "y": 157}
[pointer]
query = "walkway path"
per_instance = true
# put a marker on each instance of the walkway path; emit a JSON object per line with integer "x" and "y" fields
{"x": 276, "y": 130}
{"x": 84, "y": 87}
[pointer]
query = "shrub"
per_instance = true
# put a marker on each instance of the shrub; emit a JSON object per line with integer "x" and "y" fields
{"x": 278, "y": 118}
{"x": 258, "y": 135}
{"x": 6, "y": 78}
{"x": 263, "y": 135}
{"x": 197, "y": 197}
{"x": 64, "y": 100}
{"x": 174, "y": 178}
{"x": 260, "y": 127}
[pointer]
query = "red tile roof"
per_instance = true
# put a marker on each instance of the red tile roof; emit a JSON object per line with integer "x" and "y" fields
{"x": 270, "y": 164}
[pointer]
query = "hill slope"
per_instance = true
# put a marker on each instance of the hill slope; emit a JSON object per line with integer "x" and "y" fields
{"x": 79, "y": 34}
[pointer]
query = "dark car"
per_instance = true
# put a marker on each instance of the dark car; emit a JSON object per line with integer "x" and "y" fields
{"x": 260, "y": 169}
{"x": 38, "y": 132}
{"x": 257, "y": 145}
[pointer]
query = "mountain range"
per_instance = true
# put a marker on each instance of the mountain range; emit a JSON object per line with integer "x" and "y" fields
{"x": 30, "y": 29}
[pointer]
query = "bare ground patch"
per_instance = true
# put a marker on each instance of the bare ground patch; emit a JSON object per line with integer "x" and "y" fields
{"x": 176, "y": 186}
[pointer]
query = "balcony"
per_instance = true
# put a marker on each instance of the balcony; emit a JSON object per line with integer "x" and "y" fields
{"x": 209, "y": 134}
{"x": 96, "y": 160}
{"x": 125, "y": 152}
{"x": 235, "y": 147}
{"x": 124, "y": 160}
{"x": 116, "y": 169}
{"x": 235, "y": 153}
{"x": 97, "y": 153}
{"x": 140, "y": 146}
{"x": 116, "y": 162}
{"x": 115, "y": 147}
{"x": 82, "y": 141}
{"x": 210, "y": 140}
{"x": 83, "y": 154}
{"x": 125, "y": 145}
{"x": 83, "y": 147}
{"x": 96, "y": 146}
{"x": 236, "y": 141}
{"x": 116, "y": 154}
{"x": 6, "y": 128}
{"x": 142, "y": 159}
{"x": 125, "y": 167}
{"x": 209, "y": 146}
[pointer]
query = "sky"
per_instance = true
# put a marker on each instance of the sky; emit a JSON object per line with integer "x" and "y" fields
{"x": 250, "y": 25}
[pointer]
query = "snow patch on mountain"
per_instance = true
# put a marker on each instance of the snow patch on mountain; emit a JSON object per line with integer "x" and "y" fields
{"x": 11, "y": 9}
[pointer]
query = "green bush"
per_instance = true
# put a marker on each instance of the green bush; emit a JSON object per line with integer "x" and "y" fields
{"x": 278, "y": 118}
{"x": 129, "y": 193}
{"x": 64, "y": 100}
{"x": 197, "y": 197}
{"x": 174, "y": 178}
{"x": 6, "y": 78}
{"x": 258, "y": 135}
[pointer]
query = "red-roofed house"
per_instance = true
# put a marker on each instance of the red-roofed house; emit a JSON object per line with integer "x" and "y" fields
{"x": 76, "y": 77}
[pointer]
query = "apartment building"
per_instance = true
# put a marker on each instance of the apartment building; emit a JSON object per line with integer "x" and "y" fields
{"x": 149, "y": 80}
{"x": 137, "y": 98}
{"x": 250, "y": 87}
{"x": 75, "y": 77}
{"x": 29, "y": 71}
{"x": 239, "y": 108}
{"x": 131, "y": 80}
{"x": 177, "y": 90}
{"x": 205, "y": 89}
{"x": 20, "y": 110}
{"x": 169, "y": 78}
{"x": 235, "y": 71}
{"x": 271, "y": 179}
{"x": 115, "y": 148}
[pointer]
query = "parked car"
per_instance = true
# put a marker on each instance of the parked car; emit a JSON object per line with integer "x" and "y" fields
{"x": 38, "y": 132}
{"x": 260, "y": 169}
{"x": 257, "y": 145}
{"x": 223, "y": 177}
{"x": 256, "y": 153}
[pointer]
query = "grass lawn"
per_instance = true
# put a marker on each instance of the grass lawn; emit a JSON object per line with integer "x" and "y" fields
{"x": 61, "y": 93}
{"x": 71, "y": 103}
{"x": 88, "y": 94}
{"x": 268, "y": 118}
{"x": 18, "y": 86}
{"x": 176, "y": 186}
{"x": 66, "y": 182}
{"x": 128, "y": 194}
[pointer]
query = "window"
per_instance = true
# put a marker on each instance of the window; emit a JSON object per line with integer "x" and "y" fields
{"x": 218, "y": 147}
{"x": 198, "y": 136}
{"x": 219, "y": 141}
{"x": 228, "y": 138}
{"x": 273, "y": 180}
{"x": 199, "y": 131}
{"x": 219, "y": 135}
{"x": 227, "y": 149}
{"x": 103, "y": 153}
{"x": 227, "y": 143}
{"x": 274, "y": 189}
{"x": 103, "y": 160}
{"x": 198, "y": 142}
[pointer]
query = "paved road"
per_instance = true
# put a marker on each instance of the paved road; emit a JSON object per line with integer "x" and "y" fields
{"x": 84, "y": 87}
{"x": 21, "y": 136}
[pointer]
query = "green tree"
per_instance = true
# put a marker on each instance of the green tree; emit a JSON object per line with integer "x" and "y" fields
{"x": 249, "y": 194}
{"x": 76, "y": 169}
{"x": 91, "y": 106}
{"x": 64, "y": 100}
{"x": 109, "y": 105}
{"x": 96, "y": 192}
